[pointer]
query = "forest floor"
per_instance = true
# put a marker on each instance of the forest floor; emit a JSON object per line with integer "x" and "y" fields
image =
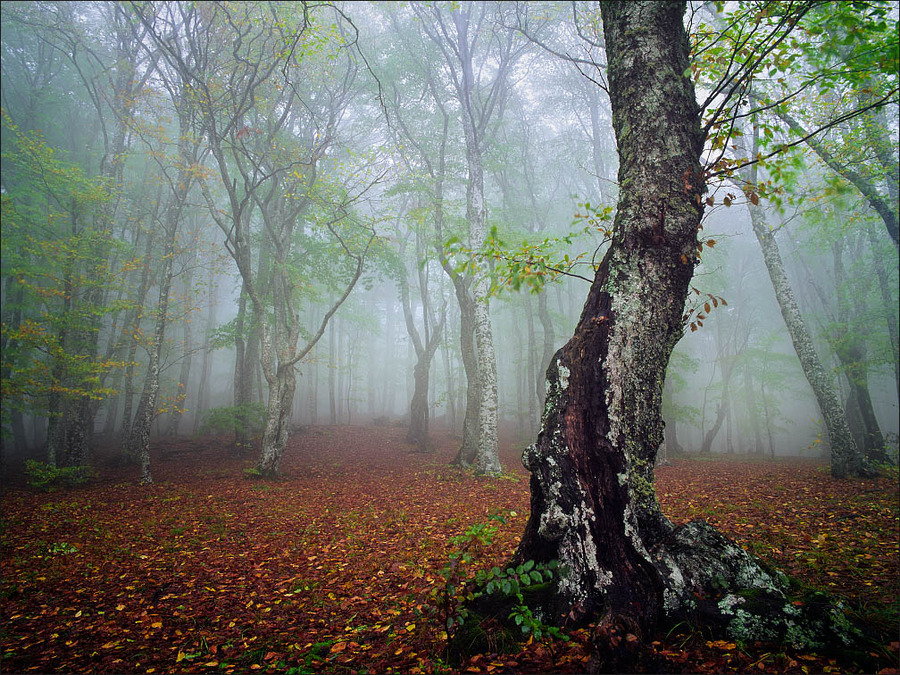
{"x": 335, "y": 567}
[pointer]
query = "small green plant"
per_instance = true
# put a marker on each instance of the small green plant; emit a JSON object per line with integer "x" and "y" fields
{"x": 46, "y": 477}
{"x": 61, "y": 548}
{"x": 461, "y": 588}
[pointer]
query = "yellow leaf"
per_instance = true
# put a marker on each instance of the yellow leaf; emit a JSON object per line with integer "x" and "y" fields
{"x": 156, "y": 624}
{"x": 180, "y": 657}
{"x": 120, "y": 607}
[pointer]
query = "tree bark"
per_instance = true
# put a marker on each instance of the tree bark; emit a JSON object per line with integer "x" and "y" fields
{"x": 593, "y": 504}
{"x": 468, "y": 450}
{"x": 593, "y": 501}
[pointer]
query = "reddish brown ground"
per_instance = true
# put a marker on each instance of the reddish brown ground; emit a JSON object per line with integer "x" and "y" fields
{"x": 333, "y": 567}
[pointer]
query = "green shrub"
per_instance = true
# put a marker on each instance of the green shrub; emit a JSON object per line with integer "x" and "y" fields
{"x": 249, "y": 418}
{"x": 46, "y": 477}
{"x": 508, "y": 586}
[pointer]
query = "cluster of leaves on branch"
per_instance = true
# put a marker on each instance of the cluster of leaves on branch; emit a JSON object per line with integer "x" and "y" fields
{"x": 533, "y": 264}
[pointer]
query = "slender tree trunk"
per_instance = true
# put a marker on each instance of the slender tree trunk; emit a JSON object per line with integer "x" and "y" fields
{"x": 206, "y": 364}
{"x": 889, "y": 302}
{"x": 531, "y": 374}
{"x": 846, "y": 460}
{"x": 548, "y": 343}
{"x": 139, "y": 442}
{"x": 184, "y": 376}
{"x": 332, "y": 374}
{"x": 468, "y": 451}
{"x": 850, "y": 349}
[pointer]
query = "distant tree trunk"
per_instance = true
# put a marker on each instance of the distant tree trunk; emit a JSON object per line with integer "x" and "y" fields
{"x": 451, "y": 384}
{"x": 846, "y": 460}
{"x": 729, "y": 432}
{"x": 205, "y": 365}
{"x": 417, "y": 433}
{"x": 184, "y": 376}
{"x": 243, "y": 382}
{"x": 332, "y": 368}
{"x": 15, "y": 292}
{"x": 530, "y": 374}
{"x": 312, "y": 398}
{"x": 888, "y": 301}
{"x": 850, "y": 349}
{"x": 131, "y": 329}
{"x": 725, "y": 360}
{"x": 548, "y": 343}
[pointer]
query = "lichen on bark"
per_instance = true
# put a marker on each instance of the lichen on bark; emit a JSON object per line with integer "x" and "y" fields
{"x": 593, "y": 500}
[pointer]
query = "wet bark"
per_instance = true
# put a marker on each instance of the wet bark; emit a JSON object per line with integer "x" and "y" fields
{"x": 593, "y": 505}
{"x": 593, "y": 501}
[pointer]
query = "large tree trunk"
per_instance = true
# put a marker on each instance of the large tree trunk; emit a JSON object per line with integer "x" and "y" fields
{"x": 593, "y": 501}
{"x": 278, "y": 419}
{"x": 593, "y": 504}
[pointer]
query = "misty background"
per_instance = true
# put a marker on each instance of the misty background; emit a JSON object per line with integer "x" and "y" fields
{"x": 366, "y": 138}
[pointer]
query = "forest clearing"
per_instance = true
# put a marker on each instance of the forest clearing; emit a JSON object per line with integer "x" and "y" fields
{"x": 335, "y": 567}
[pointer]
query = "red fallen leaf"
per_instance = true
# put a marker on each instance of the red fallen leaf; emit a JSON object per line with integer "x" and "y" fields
{"x": 338, "y": 647}
{"x": 269, "y": 656}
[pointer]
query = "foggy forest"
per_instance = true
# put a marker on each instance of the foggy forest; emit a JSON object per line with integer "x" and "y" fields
{"x": 432, "y": 337}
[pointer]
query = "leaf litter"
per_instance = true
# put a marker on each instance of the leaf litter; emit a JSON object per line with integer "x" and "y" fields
{"x": 332, "y": 568}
